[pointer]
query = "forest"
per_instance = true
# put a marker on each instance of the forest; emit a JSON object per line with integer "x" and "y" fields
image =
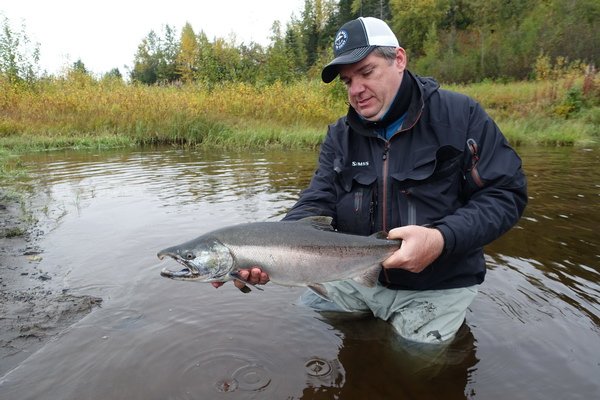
{"x": 456, "y": 41}
{"x": 452, "y": 40}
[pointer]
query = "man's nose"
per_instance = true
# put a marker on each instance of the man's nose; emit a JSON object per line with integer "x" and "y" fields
{"x": 356, "y": 87}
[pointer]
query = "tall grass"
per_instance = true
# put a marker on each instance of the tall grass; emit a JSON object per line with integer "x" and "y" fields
{"x": 79, "y": 111}
{"x": 82, "y": 111}
{"x": 563, "y": 111}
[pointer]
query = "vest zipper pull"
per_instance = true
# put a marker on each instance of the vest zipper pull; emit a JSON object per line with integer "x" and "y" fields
{"x": 386, "y": 149}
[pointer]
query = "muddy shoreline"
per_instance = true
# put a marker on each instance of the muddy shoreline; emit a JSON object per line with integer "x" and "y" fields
{"x": 34, "y": 304}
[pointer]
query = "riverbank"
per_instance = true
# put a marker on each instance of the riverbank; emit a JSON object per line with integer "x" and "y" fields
{"x": 34, "y": 304}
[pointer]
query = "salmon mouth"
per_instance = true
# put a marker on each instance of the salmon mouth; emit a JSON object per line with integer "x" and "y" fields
{"x": 188, "y": 272}
{"x": 184, "y": 273}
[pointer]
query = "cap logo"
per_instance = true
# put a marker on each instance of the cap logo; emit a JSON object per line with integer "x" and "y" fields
{"x": 340, "y": 40}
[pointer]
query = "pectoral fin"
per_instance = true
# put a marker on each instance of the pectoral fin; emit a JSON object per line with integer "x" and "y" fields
{"x": 235, "y": 275}
{"x": 245, "y": 289}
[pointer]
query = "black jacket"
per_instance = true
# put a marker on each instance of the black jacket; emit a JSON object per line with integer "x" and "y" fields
{"x": 448, "y": 167}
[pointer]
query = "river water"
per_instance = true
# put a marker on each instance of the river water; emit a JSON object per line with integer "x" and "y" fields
{"x": 533, "y": 332}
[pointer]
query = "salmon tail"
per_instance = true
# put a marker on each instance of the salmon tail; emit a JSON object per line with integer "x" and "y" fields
{"x": 370, "y": 277}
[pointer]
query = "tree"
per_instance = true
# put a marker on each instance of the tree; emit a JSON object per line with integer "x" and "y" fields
{"x": 412, "y": 19}
{"x": 227, "y": 58}
{"x": 371, "y": 8}
{"x": 156, "y": 58}
{"x": 253, "y": 59}
{"x": 188, "y": 54}
{"x": 294, "y": 47}
{"x": 207, "y": 65}
{"x": 115, "y": 73}
{"x": 280, "y": 61}
{"x": 310, "y": 36}
{"x": 167, "y": 50}
{"x": 145, "y": 63}
{"x": 79, "y": 67}
{"x": 19, "y": 57}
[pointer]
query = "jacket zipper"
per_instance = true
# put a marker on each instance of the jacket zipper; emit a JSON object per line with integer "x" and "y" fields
{"x": 386, "y": 150}
{"x": 372, "y": 209}
{"x": 358, "y": 201}
{"x": 411, "y": 218}
{"x": 384, "y": 203}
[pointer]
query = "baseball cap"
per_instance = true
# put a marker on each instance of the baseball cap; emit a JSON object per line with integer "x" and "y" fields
{"x": 355, "y": 40}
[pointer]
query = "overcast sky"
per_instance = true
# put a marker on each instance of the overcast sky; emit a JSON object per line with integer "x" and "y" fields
{"x": 105, "y": 34}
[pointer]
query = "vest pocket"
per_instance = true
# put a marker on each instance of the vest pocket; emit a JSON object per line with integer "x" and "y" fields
{"x": 431, "y": 190}
{"x": 356, "y": 202}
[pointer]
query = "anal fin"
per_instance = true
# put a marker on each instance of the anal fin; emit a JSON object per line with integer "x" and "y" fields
{"x": 319, "y": 290}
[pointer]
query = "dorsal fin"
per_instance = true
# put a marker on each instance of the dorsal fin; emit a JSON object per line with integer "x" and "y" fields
{"x": 380, "y": 235}
{"x": 318, "y": 222}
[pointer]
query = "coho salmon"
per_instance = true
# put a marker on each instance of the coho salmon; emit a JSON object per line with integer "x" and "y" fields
{"x": 307, "y": 252}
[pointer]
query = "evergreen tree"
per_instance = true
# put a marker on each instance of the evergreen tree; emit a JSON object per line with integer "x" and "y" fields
{"x": 371, "y": 8}
{"x": 281, "y": 62}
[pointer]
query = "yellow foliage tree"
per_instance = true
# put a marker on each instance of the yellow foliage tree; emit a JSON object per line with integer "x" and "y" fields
{"x": 187, "y": 57}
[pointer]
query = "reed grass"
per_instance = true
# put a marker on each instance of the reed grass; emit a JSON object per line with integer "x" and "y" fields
{"x": 79, "y": 111}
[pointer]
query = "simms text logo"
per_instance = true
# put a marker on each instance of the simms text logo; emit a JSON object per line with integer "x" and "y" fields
{"x": 360, "y": 163}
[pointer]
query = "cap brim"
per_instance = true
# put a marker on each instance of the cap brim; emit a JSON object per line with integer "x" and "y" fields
{"x": 330, "y": 71}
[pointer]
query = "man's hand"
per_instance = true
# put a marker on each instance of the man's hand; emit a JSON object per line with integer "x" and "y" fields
{"x": 254, "y": 276}
{"x": 420, "y": 247}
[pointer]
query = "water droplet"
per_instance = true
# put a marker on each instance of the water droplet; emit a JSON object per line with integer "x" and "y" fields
{"x": 251, "y": 377}
{"x": 226, "y": 385}
{"x": 317, "y": 367}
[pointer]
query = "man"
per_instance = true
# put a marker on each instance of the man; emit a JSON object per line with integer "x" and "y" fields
{"x": 427, "y": 165}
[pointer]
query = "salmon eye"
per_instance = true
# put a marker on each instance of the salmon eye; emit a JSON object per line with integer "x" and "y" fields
{"x": 189, "y": 256}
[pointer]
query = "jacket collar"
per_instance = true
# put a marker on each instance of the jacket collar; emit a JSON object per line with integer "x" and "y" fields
{"x": 410, "y": 106}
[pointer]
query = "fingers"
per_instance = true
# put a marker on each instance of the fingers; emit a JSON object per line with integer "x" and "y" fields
{"x": 395, "y": 260}
{"x": 259, "y": 276}
{"x": 255, "y": 276}
{"x": 420, "y": 247}
{"x": 397, "y": 233}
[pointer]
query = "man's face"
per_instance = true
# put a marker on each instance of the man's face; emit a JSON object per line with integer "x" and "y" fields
{"x": 372, "y": 83}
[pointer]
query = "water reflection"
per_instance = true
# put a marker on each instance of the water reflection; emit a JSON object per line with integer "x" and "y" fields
{"x": 555, "y": 246}
{"x": 179, "y": 178}
{"x": 531, "y": 333}
{"x": 378, "y": 364}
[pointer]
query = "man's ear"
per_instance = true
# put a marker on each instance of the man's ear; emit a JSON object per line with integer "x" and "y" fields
{"x": 401, "y": 58}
